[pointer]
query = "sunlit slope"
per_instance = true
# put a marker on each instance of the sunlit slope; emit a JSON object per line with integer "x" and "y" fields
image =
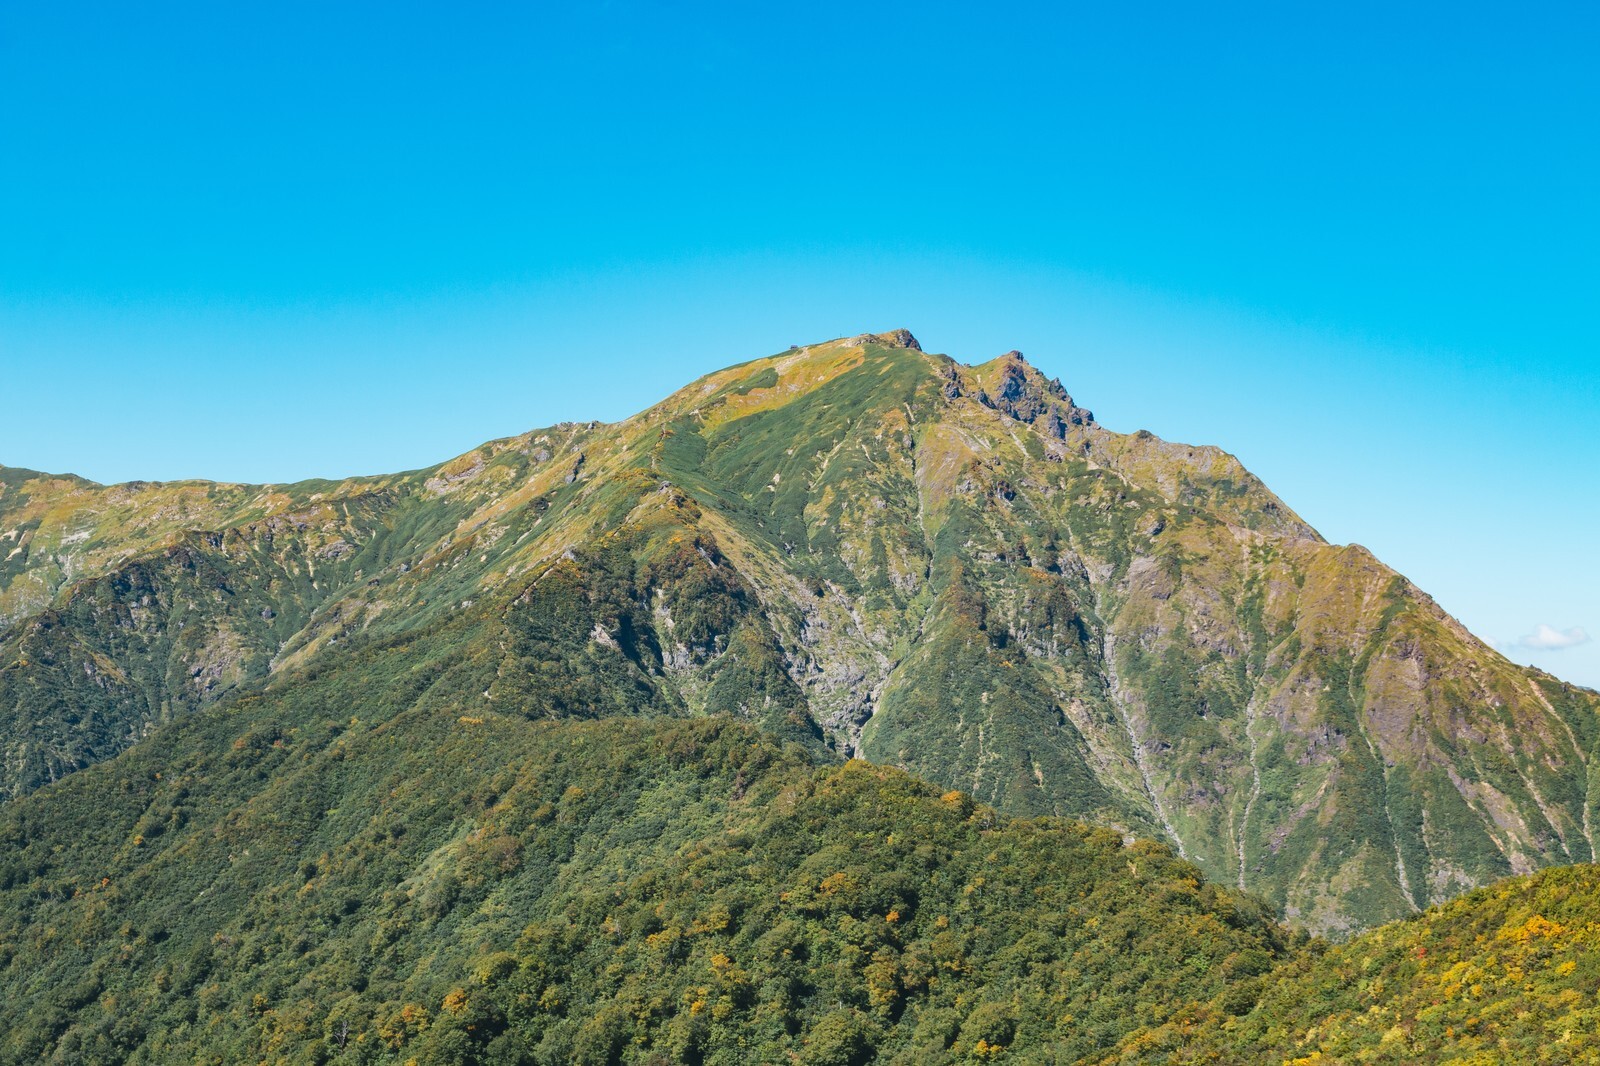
{"x": 1509, "y": 973}
{"x": 949, "y": 568}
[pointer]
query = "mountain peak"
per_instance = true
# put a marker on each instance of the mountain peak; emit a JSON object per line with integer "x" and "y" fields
{"x": 862, "y": 547}
{"x": 1010, "y": 384}
{"x": 895, "y": 338}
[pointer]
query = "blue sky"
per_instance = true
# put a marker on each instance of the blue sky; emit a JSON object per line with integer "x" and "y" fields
{"x": 1355, "y": 245}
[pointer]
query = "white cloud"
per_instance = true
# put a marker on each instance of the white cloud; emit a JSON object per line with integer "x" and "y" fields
{"x": 1549, "y": 638}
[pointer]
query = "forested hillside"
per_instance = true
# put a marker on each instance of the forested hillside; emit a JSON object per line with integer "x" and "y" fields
{"x": 456, "y": 889}
{"x": 430, "y": 886}
{"x": 1509, "y": 973}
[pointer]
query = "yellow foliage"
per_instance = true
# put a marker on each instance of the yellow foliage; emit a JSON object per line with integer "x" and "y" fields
{"x": 882, "y": 986}
{"x": 1537, "y": 926}
{"x": 403, "y": 1025}
{"x": 455, "y": 1001}
{"x": 715, "y": 920}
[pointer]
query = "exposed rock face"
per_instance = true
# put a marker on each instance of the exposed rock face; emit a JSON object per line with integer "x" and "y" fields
{"x": 453, "y": 474}
{"x": 1026, "y": 397}
{"x": 895, "y": 338}
{"x": 951, "y": 388}
{"x": 865, "y": 547}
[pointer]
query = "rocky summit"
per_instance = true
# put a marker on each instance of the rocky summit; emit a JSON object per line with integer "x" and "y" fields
{"x": 869, "y": 550}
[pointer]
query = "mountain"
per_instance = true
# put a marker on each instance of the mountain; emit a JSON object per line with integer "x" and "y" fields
{"x": 864, "y": 550}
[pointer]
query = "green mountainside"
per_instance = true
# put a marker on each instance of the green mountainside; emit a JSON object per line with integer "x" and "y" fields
{"x": 590, "y": 746}
{"x": 450, "y": 889}
{"x": 272, "y": 884}
{"x": 871, "y": 549}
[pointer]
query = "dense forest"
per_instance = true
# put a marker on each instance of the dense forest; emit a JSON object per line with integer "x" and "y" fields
{"x": 448, "y": 889}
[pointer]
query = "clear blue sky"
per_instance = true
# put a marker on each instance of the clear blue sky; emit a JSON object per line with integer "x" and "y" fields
{"x": 1355, "y": 244}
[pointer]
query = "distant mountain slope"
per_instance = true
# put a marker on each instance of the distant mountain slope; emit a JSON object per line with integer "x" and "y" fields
{"x": 861, "y": 546}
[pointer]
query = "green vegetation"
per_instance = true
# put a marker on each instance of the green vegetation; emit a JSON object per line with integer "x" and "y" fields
{"x": 277, "y": 885}
{"x": 542, "y": 755}
{"x": 865, "y": 549}
{"x": 1505, "y": 974}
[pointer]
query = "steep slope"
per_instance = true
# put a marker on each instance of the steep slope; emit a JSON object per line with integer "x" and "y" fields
{"x": 947, "y": 568}
{"x": 1000, "y": 594}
